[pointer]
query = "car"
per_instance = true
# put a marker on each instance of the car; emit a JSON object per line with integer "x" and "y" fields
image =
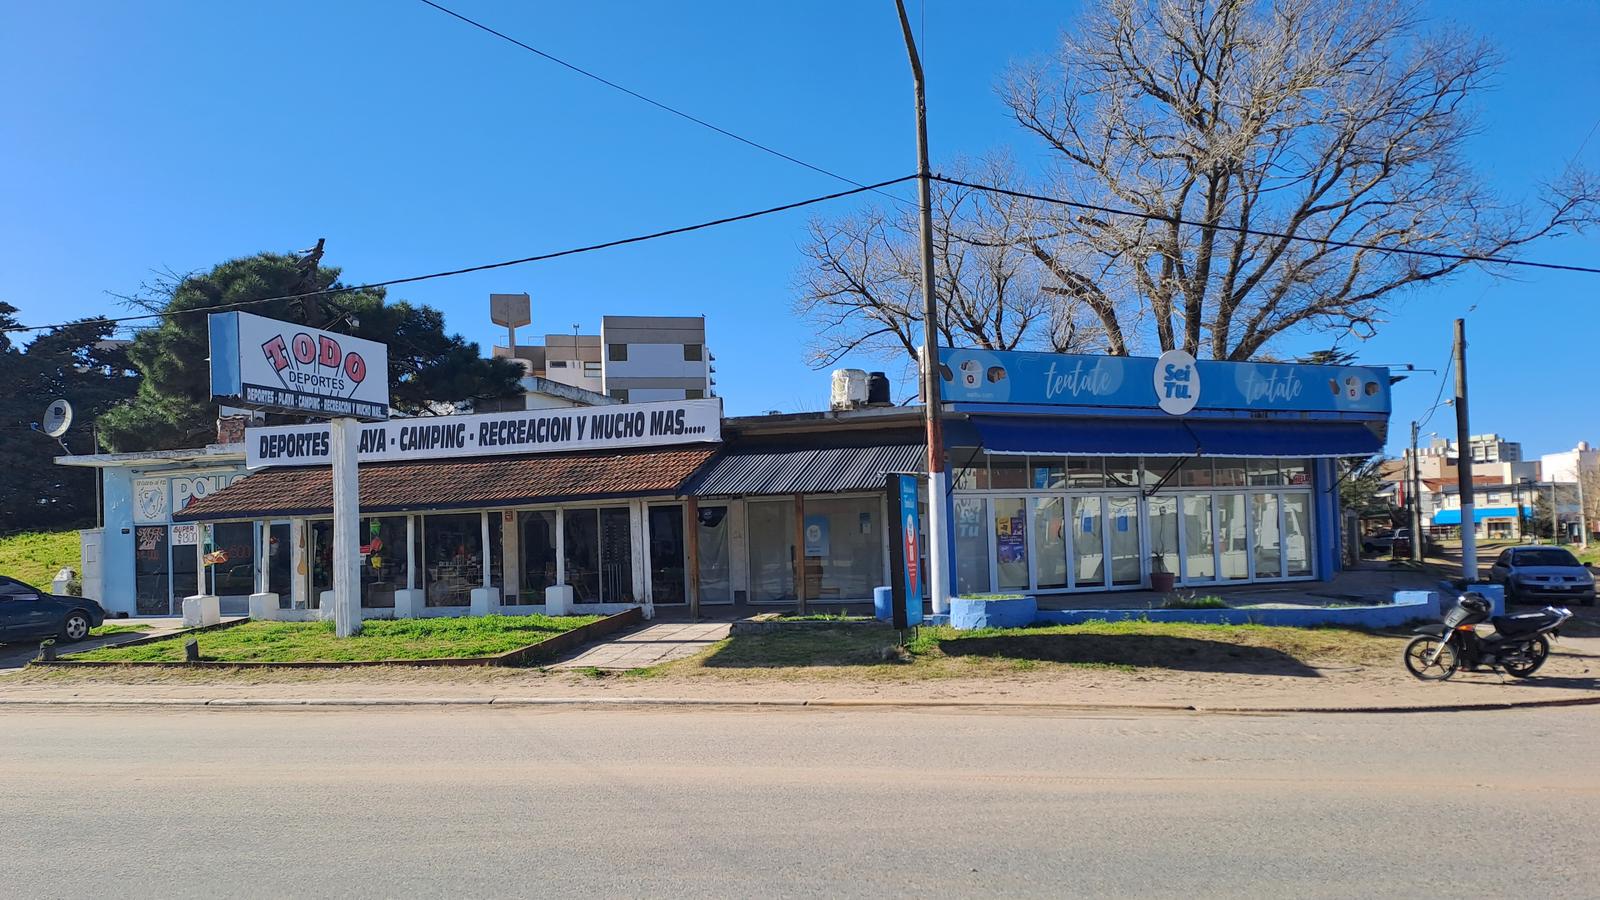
{"x": 1374, "y": 544}
{"x": 1537, "y": 572}
{"x": 27, "y": 613}
{"x": 1401, "y": 545}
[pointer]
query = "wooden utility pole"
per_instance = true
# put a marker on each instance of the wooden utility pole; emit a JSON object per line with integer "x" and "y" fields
{"x": 938, "y": 481}
{"x": 1416, "y": 499}
{"x": 1469, "y": 537}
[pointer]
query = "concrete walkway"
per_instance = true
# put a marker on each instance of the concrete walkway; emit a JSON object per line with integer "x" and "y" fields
{"x": 648, "y": 646}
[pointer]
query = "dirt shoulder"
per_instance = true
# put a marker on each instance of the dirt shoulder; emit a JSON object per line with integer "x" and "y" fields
{"x": 1572, "y": 673}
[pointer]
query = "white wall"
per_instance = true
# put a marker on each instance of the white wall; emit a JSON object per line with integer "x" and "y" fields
{"x": 656, "y": 361}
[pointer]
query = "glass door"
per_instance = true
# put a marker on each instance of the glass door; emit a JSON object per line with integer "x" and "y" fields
{"x": 1088, "y": 543}
{"x": 1050, "y": 538}
{"x": 1296, "y": 534}
{"x": 716, "y": 560}
{"x": 1199, "y": 540}
{"x": 1233, "y": 538}
{"x": 1122, "y": 527}
{"x": 1268, "y": 540}
{"x": 668, "y": 578}
{"x": 1164, "y": 544}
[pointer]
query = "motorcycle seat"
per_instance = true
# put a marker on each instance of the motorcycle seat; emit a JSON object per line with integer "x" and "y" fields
{"x": 1520, "y": 622}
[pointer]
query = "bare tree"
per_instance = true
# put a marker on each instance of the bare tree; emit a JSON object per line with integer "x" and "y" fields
{"x": 1328, "y": 120}
{"x": 861, "y": 289}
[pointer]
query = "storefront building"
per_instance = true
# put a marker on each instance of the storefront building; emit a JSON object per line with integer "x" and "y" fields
{"x": 1071, "y": 477}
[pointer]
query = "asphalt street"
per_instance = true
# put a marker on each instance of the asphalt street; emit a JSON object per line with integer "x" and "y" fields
{"x": 604, "y": 803}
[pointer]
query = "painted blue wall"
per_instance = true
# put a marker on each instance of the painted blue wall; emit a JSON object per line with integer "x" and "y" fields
{"x": 1325, "y": 500}
{"x": 116, "y": 551}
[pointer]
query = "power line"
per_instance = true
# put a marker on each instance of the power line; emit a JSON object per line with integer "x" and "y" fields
{"x": 650, "y": 100}
{"x": 1239, "y": 229}
{"x": 573, "y": 251}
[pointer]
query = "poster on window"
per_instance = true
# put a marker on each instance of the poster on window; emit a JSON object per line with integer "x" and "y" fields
{"x": 1011, "y": 538}
{"x": 817, "y": 542}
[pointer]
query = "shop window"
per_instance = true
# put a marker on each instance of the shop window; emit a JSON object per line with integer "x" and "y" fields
{"x": 1085, "y": 472}
{"x": 320, "y": 553}
{"x": 1228, "y": 471}
{"x": 843, "y": 548}
{"x": 231, "y": 562}
{"x": 972, "y": 546}
{"x": 1010, "y": 544}
{"x": 599, "y": 551}
{"x": 1297, "y": 534}
{"x": 716, "y": 559}
{"x": 279, "y": 554}
{"x": 383, "y": 560}
{"x": 616, "y": 556}
{"x": 454, "y": 560}
{"x": 1122, "y": 471}
{"x": 1047, "y": 473}
{"x": 1265, "y": 472}
{"x": 1163, "y": 534}
{"x": 1199, "y": 542}
{"x": 969, "y": 469}
{"x": 1088, "y": 543}
{"x": 1233, "y": 537}
{"x": 1122, "y": 525}
{"x": 1050, "y": 542}
{"x": 185, "y": 566}
{"x": 1295, "y": 471}
{"x": 1195, "y": 473}
{"x": 536, "y": 554}
{"x": 1009, "y": 472}
{"x": 771, "y": 550}
{"x": 667, "y": 573}
{"x": 152, "y": 590}
{"x": 1268, "y": 541}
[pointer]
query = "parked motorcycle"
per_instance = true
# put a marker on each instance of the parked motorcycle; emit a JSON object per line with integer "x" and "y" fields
{"x": 1518, "y": 645}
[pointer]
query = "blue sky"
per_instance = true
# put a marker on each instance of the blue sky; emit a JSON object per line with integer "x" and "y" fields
{"x": 136, "y": 137}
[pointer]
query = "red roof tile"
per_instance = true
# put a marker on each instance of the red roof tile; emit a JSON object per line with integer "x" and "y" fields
{"x": 477, "y": 482}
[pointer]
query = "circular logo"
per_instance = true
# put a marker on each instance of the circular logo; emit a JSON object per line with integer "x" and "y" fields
{"x": 1177, "y": 382}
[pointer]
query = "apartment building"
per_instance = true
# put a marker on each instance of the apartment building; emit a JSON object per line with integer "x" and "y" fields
{"x": 634, "y": 359}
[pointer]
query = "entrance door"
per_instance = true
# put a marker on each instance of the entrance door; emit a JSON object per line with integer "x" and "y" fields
{"x": 716, "y": 558}
{"x": 1122, "y": 528}
{"x": 668, "y": 578}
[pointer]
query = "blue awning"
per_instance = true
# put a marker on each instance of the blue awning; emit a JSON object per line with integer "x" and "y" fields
{"x": 1453, "y": 516}
{"x": 1173, "y": 437}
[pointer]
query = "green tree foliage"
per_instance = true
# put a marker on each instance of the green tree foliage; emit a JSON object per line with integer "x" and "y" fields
{"x": 74, "y": 362}
{"x": 1359, "y": 489}
{"x": 173, "y": 407}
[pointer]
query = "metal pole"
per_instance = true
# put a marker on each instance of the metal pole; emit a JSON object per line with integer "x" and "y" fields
{"x": 1469, "y": 537}
{"x": 938, "y": 479}
{"x": 1416, "y": 500}
{"x": 346, "y": 528}
{"x": 1583, "y": 517}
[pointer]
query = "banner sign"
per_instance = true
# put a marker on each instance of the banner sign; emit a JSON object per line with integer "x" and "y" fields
{"x": 905, "y": 550}
{"x": 261, "y": 363}
{"x": 494, "y": 434}
{"x": 1176, "y": 383}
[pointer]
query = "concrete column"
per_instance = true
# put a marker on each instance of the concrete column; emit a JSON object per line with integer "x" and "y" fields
{"x": 511, "y": 554}
{"x": 345, "y": 434}
{"x": 641, "y": 572}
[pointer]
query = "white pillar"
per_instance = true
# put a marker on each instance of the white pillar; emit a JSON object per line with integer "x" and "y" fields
{"x": 345, "y": 434}
{"x": 938, "y": 534}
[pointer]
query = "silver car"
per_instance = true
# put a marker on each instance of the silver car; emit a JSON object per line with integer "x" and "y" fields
{"x": 1542, "y": 573}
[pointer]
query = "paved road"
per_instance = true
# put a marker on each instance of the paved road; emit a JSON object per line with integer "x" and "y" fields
{"x": 579, "y": 803}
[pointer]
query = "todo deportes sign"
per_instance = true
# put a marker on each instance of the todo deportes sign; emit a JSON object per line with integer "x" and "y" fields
{"x": 493, "y": 434}
{"x": 262, "y": 363}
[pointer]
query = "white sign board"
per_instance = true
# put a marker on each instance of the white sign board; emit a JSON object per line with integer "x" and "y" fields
{"x": 495, "y": 434}
{"x": 261, "y": 363}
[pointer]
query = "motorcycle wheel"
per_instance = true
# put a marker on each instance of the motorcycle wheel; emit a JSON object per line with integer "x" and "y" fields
{"x": 1538, "y": 650}
{"x": 1421, "y": 649}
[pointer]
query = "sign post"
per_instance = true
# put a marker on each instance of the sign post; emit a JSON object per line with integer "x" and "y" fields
{"x": 265, "y": 364}
{"x": 905, "y": 549}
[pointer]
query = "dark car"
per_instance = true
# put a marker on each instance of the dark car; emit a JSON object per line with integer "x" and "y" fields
{"x": 27, "y": 613}
{"x": 1542, "y": 573}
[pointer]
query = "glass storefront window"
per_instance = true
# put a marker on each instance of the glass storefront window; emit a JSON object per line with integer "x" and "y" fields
{"x": 1295, "y": 471}
{"x": 234, "y": 572}
{"x": 771, "y": 550}
{"x": 1085, "y": 472}
{"x": 320, "y": 553}
{"x": 844, "y": 547}
{"x": 1233, "y": 537}
{"x": 1010, "y": 543}
{"x": 667, "y": 573}
{"x": 1265, "y": 472}
{"x": 1122, "y": 471}
{"x": 616, "y": 557}
{"x": 1163, "y": 534}
{"x": 1199, "y": 542}
{"x": 1264, "y": 519}
{"x": 185, "y": 581}
{"x": 1195, "y": 473}
{"x": 453, "y": 558}
{"x": 383, "y": 560}
{"x": 1047, "y": 472}
{"x": 1009, "y": 472}
{"x": 1297, "y": 534}
{"x": 1122, "y": 525}
{"x": 279, "y": 558}
{"x": 1228, "y": 472}
{"x": 1050, "y": 542}
{"x": 969, "y": 469}
{"x": 1088, "y": 543}
{"x": 716, "y": 558}
{"x": 152, "y": 590}
{"x": 972, "y": 546}
{"x": 536, "y": 555}
{"x": 581, "y": 534}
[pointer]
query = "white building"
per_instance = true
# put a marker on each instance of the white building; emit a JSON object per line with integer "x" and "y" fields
{"x": 634, "y": 359}
{"x": 1566, "y": 467}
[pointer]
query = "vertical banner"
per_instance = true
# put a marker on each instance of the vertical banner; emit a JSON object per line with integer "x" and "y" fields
{"x": 905, "y": 549}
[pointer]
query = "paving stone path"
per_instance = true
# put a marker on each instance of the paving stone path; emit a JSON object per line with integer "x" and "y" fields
{"x": 648, "y": 646}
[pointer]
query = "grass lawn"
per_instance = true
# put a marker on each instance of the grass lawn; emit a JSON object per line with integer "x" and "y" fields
{"x": 36, "y": 556}
{"x": 379, "y": 639}
{"x": 946, "y": 652}
{"x": 119, "y": 628}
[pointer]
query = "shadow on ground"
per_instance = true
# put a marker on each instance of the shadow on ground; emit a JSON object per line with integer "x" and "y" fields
{"x": 860, "y": 646}
{"x": 1150, "y": 651}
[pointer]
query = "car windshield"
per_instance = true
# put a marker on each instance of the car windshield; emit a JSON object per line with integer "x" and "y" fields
{"x": 1551, "y": 557}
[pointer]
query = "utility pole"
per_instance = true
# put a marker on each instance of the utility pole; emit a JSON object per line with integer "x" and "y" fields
{"x": 1583, "y": 516}
{"x": 1416, "y": 499}
{"x": 1469, "y": 522}
{"x": 938, "y": 526}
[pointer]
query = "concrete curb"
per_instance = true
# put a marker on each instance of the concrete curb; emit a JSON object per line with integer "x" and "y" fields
{"x": 816, "y": 703}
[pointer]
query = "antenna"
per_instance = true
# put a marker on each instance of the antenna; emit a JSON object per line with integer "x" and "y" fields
{"x": 57, "y": 419}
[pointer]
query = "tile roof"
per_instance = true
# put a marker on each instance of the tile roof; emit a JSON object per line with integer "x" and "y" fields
{"x": 478, "y": 482}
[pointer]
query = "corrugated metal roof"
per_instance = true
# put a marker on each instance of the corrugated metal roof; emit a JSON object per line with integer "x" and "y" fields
{"x": 822, "y": 471}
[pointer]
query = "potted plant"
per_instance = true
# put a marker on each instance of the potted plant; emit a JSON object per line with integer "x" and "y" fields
{"x": 1160, "y": 579}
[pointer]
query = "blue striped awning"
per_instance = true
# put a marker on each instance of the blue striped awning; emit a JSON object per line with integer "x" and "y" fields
{"x": 820, "y": 471}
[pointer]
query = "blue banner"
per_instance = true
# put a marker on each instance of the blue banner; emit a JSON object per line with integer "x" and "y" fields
{"x": 1175, "y": 383}
{"x": 908, "y": 533}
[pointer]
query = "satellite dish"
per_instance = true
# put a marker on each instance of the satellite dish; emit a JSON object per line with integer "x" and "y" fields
{"x": 57, "y": 418}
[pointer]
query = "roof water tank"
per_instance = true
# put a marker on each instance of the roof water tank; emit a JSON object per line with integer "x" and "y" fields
{"x": 878, "y": 389}
{"x": 849, "y": 388}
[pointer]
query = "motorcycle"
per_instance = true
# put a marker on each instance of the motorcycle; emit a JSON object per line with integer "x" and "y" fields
{"x": 1518, "y": 645}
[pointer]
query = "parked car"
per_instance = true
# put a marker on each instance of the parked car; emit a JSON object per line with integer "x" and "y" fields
{"x": 29, "y": 613}
{"x": 1377, "y": 544}
{"x": 1542, "y": 573}
{"x": 1401, "y": 545}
